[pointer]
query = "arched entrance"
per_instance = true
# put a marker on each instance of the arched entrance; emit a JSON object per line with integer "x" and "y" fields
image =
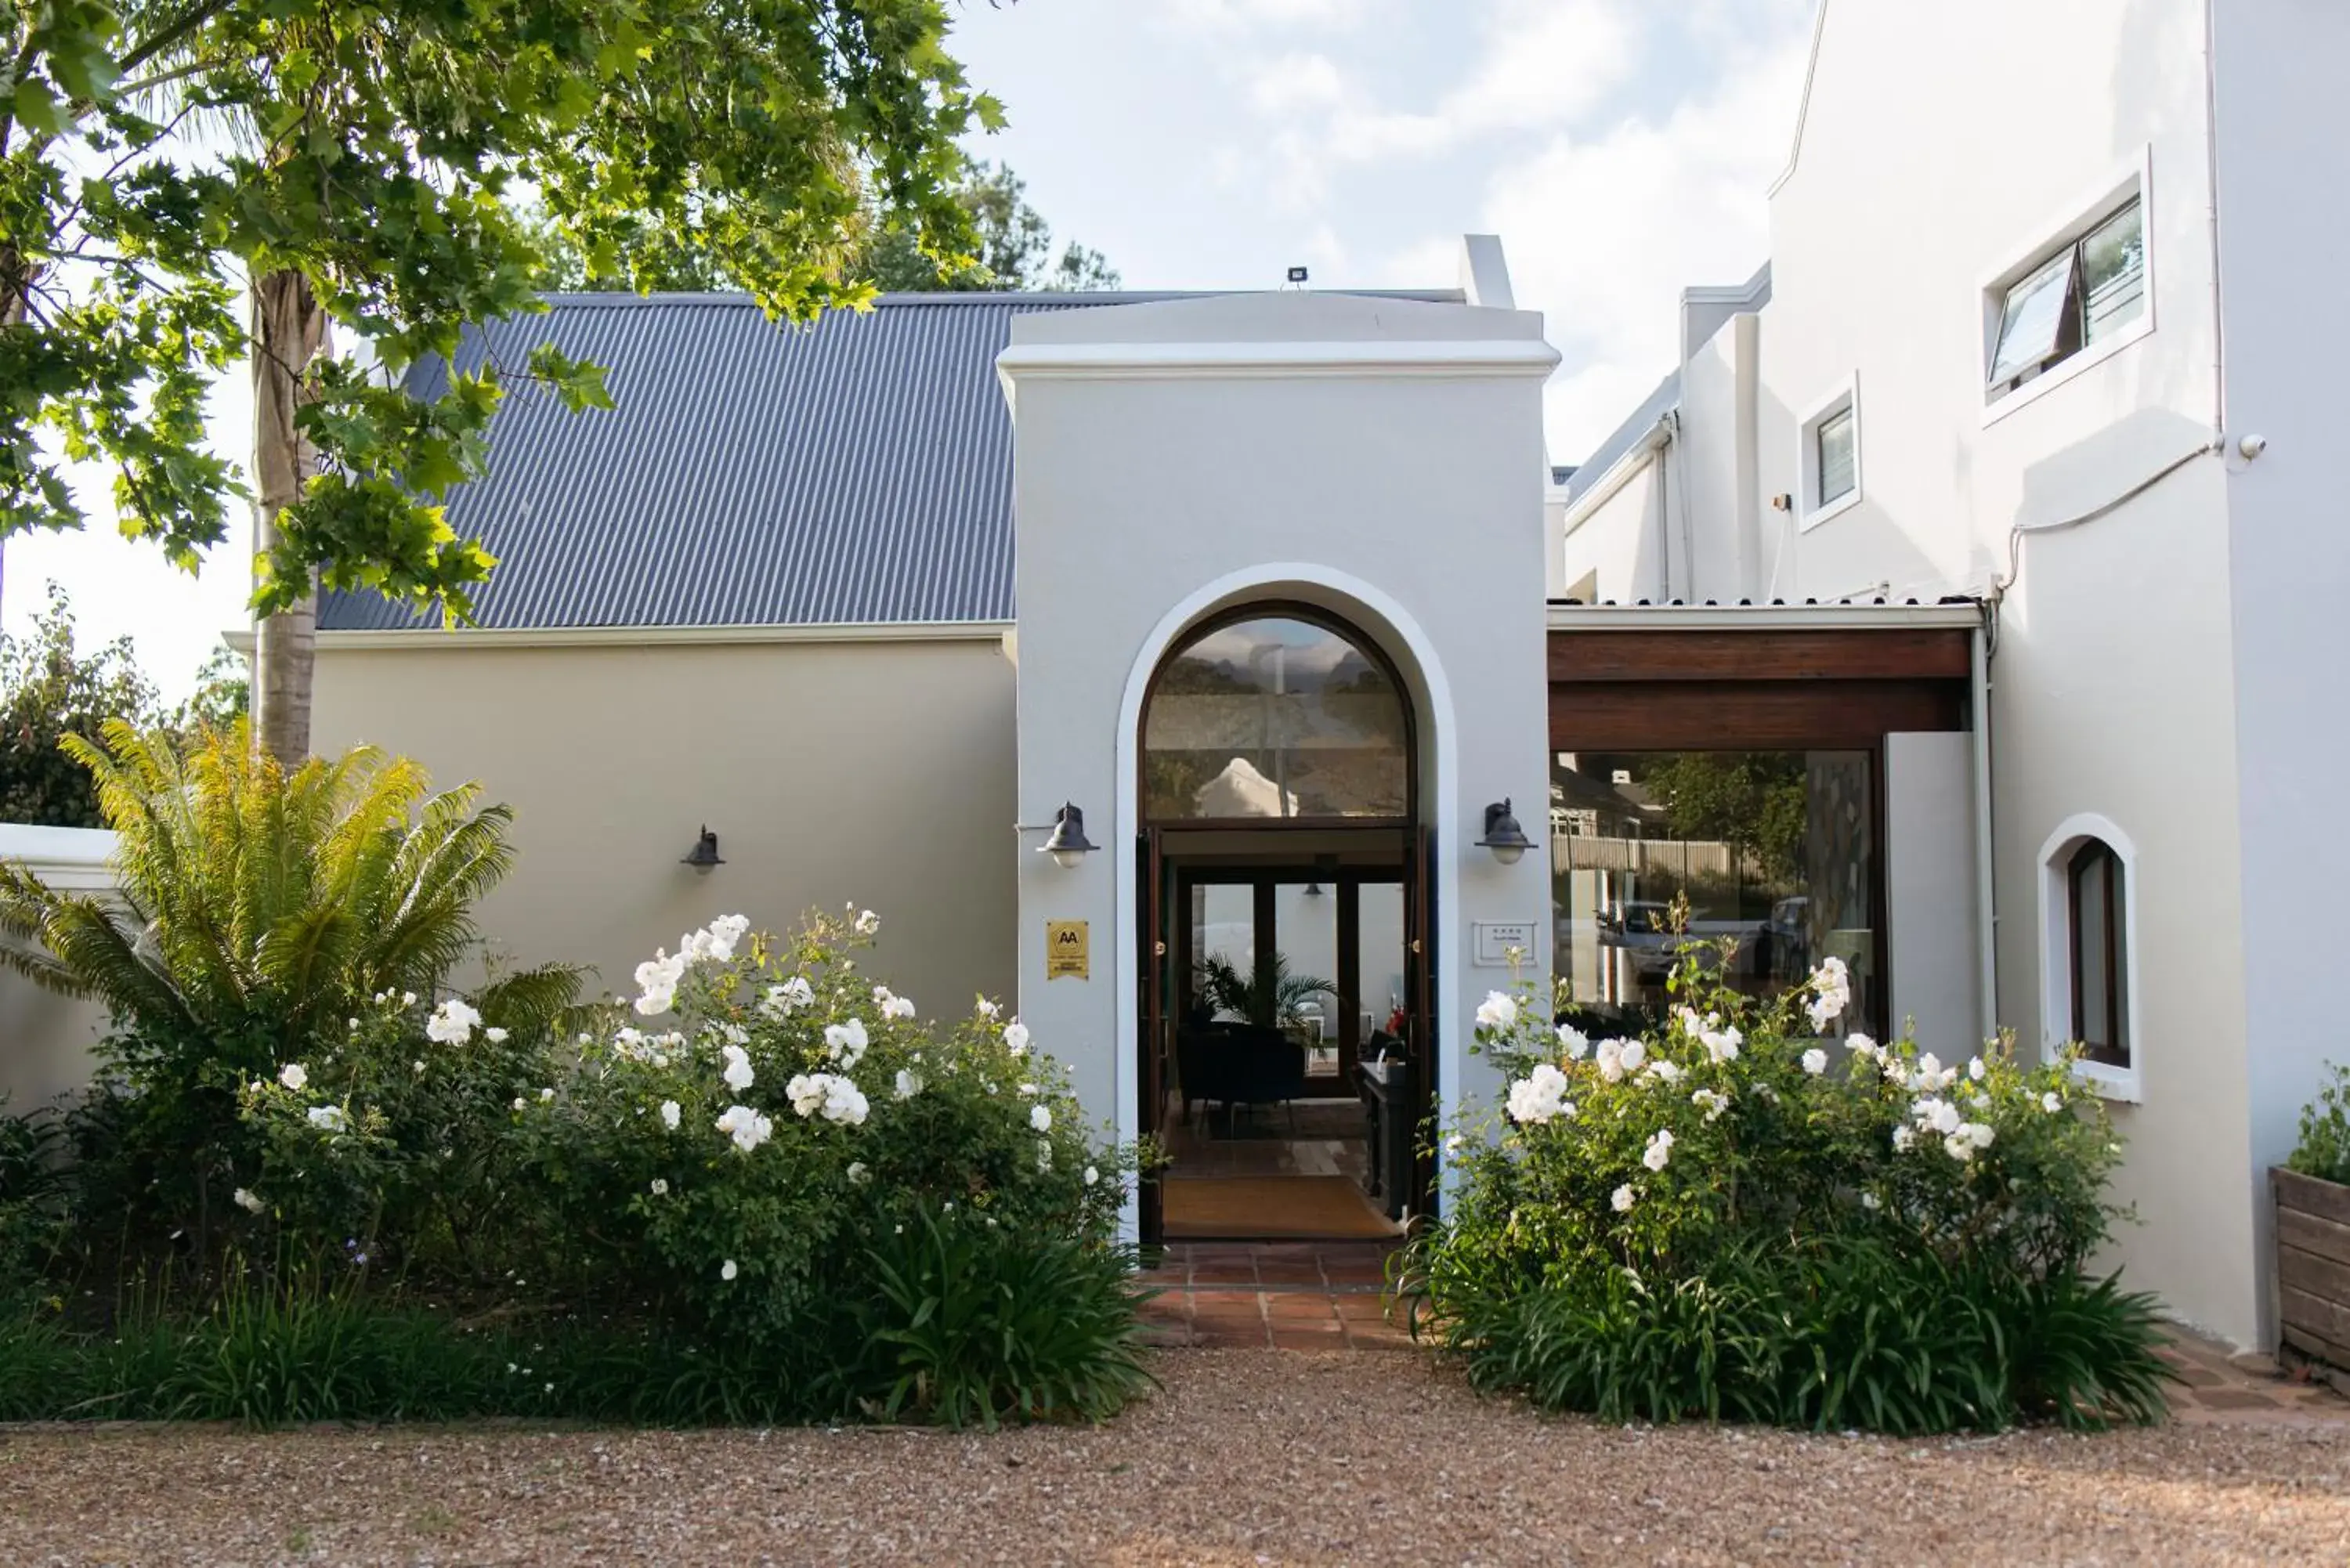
{"x": 1284, "y": 1061}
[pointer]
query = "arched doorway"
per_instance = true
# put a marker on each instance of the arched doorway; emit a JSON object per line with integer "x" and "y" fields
{"x": 1284, "y": 1062}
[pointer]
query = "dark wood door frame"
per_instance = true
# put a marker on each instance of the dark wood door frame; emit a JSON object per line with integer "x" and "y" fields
{"x": 1166, "y": 878}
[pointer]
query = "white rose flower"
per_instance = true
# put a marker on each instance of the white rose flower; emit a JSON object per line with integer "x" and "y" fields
{"x": 867, "y": 922}
{"x": 1975, "y": 1069}
{"x": 1979, "y": 1134}
{"x": 986, "y": 1009}
{"x": 407, "y": 999}
{"x": 1664, "y": 1072}
{"x": 1539, "y": 1096}
{"x": 1041, "y": 1117}
{"x": 856, "y": 1171}
{"x": 845, "y": 1101}
{"x": 293, "y": 1075}
{"x": 494, "y": 1036}
{"x": 1871, "y": 1201}
{"x": 546, "y": 1094}
{"x": 1860, "y": 1043}
{"x": 669, "y": 1113}
{"x": 247, "y": 1201}
{"x": 1816, "y": 1061}
{"x": 2050, "y": 1102}
{"x": 727, "y": 1271}
{"x": 1092, "y": 1176}
{"x": 1659, "y": 1151}
{"x": 846, "y": 1042}
{"x": 329, "y": 1118}
{"x": 909, "y": 1084}
{"x": 1043, "y": 1155}
{"x": 660, "y": 1187}
{"x": 1015, "y": 1037}
{"x": 1635, "y": 1053}
{"x": 1623, "y": 1198}
{"x": 1903, "y": 1137}
{"x": 738, "y": 1073}
{"x": 746, "y": 1126}
{"x": 520, "y": 1103}
{"x": 782, "y": 999}
{"x": 1609, "y": 1057}
{"x": 1712, "y": 1102}
{"x": 1498, "y": 1011}
{"x": 1574, "y": 1042}
{"x": 452, "y": 1022}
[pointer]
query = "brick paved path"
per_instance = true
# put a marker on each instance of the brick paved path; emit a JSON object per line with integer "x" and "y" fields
{"x": 1291, "y": 1295}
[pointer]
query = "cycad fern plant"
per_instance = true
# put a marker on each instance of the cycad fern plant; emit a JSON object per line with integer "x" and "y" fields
{"x": 257, "y": 909}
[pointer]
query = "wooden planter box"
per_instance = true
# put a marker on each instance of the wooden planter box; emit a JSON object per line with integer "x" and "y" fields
{"x": 2312, "y": 1243}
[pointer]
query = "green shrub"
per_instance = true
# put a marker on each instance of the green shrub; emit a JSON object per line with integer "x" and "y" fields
{"x": 2323, "y": 1150}
{"x": 1739, "y": 1215}
{"x": 973, "y": 1323}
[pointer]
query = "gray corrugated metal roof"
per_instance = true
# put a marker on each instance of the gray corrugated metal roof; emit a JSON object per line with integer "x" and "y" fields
{"x": 1625, "y": 437}
{"x": 855, "y": 472}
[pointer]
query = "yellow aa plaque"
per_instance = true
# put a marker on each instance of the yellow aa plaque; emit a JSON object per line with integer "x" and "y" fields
{"x": 1068, "y": 951}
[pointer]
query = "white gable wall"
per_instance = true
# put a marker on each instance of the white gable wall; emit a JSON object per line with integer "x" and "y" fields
{"x": 1381, "y": 458}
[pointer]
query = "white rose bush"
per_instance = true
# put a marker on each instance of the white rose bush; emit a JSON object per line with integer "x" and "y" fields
{"x": 767, "y": 1101}
{"x": 1756, "y": 1210}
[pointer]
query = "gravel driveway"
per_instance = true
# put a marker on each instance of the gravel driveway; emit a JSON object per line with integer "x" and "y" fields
{"x": 1247, "y": 1457}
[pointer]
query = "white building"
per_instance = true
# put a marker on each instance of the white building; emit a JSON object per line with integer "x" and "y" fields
{"x": 2044, "y": 326}
{"x": 1934, "y": 613}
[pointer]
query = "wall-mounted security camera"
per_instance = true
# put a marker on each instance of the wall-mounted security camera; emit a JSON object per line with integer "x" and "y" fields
{"x": 2252, "y": 446}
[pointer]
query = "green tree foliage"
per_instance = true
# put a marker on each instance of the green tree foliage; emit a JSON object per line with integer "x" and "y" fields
{"x": 49, "y": 689}
{"x": 1753, "y": 801}
{"x": 1013, "y": 249}
{"x": 153, "y": 158}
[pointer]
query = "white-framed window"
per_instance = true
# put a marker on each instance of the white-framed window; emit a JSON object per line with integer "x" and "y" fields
{"x": 2088, "y": 962}
{"x": 1828, "y": 464}
{"x": 2082, "y": 293}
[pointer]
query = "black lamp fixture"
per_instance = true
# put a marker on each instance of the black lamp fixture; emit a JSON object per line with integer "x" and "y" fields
{"x": 1324, "y": 866}
{"x": 704, "y": 854}
{"x": 1503, "y": 836}
{"x": 1068, "y": 843}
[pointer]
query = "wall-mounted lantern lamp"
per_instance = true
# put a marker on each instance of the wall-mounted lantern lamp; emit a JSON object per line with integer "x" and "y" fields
{"x": 1503, "y": 836}
{"x": 704, "y": 854}
{"x": 1068, "y": 843}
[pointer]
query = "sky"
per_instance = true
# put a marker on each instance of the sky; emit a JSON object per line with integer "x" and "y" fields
{"x": 1621, "y": 148}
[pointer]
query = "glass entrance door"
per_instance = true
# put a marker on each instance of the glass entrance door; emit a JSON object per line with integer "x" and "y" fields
{"x": 1283, "y": 975}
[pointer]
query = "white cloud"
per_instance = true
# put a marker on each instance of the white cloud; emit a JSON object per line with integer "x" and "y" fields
{"x": 1603, "y": 233}
{"x": 1255, "y": 16}
{"x": 1540, "y": 63}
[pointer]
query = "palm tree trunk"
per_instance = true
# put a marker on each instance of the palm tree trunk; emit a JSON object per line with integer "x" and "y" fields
{"x": 289, "y": 330}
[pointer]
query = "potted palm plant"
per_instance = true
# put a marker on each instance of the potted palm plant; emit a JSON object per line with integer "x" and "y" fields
{"x": 2312, "y": 1233}
{"x": 1272, "y": 997}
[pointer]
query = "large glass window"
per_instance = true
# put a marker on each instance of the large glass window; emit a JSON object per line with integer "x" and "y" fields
{"x": 1277, "y": 717}
{"x": 1773, "y": 852}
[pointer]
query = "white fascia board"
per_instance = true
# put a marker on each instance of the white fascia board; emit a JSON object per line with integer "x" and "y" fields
{"x": 1349, "y": 359}
{"x": 1619, "y": 473}
{"x": 475, "y": 639}
{"x": 1759, "y": 617}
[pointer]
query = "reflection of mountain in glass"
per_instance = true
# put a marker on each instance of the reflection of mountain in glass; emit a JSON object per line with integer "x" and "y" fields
{"x": 1273, "y": 718}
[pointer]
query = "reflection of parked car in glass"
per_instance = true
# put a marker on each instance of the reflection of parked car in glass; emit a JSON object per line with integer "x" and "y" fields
{"x": 1783, "y": 944}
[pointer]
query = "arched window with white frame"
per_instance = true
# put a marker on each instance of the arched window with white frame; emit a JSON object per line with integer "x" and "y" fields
{"x": 2088, "y": 894}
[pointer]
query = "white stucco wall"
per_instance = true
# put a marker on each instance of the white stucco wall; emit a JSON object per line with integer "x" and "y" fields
{"x": 876, "y": 773}
{"x": 47, "y": 1040}
{"x": 2114, "y": 689}
{"x": 2284, "y": 242}
{"x": 1381, "y": 458}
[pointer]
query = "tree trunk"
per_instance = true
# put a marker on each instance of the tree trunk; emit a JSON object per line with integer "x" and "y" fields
{"x": 289, "y": 330}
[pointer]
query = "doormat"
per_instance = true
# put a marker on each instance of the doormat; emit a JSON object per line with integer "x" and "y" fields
{"x": 1238, "y": 1207}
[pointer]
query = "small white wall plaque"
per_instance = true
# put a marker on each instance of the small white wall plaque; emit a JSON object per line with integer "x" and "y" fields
{"x": 1496, "y": 939}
